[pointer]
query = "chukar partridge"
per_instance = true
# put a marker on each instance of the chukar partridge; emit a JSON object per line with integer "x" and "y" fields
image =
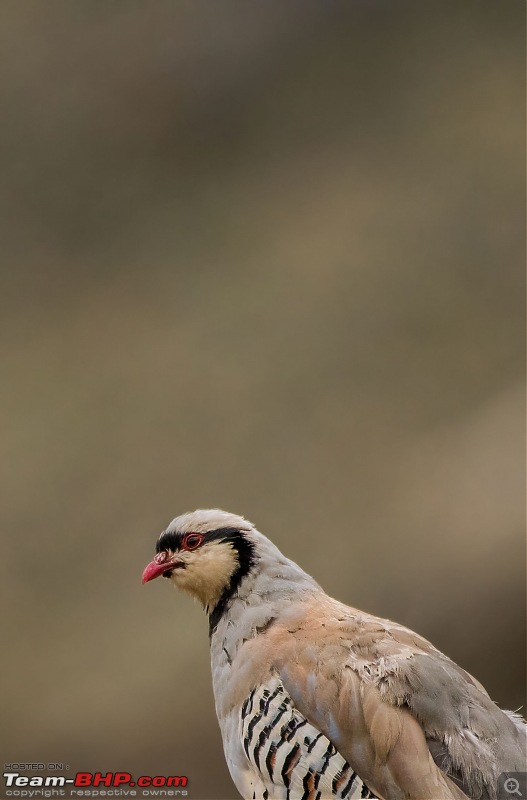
{"x": 319, "y": 700}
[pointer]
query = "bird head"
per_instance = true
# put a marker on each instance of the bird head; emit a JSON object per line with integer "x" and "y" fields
{"x": 206, "y": 553}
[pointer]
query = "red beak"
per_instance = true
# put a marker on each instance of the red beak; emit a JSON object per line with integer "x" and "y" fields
{"x": 157, "y": 567}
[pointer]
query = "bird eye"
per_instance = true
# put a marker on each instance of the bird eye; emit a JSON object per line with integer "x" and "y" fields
{"x": 192, "y": 541}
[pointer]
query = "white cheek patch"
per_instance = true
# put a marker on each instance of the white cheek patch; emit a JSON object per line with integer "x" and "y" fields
{"x": 207, "y": 571}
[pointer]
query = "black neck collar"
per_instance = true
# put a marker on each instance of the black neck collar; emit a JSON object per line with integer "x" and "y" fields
{"x": 244, "y": 550}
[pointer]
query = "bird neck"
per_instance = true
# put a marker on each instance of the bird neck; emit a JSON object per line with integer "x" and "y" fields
{"x": 261, "y": 595}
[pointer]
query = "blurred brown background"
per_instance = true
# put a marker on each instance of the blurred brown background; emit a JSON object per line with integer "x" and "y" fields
{"x": 267, "y": 257}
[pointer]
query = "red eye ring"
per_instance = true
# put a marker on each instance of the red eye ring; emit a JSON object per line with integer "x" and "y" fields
{"x": 192, "y": 541}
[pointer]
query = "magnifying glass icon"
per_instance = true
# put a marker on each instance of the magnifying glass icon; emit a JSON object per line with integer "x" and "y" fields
{"x": 512, "y": 786}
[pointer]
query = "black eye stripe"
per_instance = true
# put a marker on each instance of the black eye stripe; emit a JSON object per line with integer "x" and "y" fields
{"x": 170, "y": 540}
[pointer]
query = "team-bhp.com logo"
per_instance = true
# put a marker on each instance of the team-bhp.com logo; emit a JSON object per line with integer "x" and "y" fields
{"x": 95, "y": 784}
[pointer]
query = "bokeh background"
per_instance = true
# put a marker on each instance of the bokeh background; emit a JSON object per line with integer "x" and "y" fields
{"x": 267, "y": 257}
